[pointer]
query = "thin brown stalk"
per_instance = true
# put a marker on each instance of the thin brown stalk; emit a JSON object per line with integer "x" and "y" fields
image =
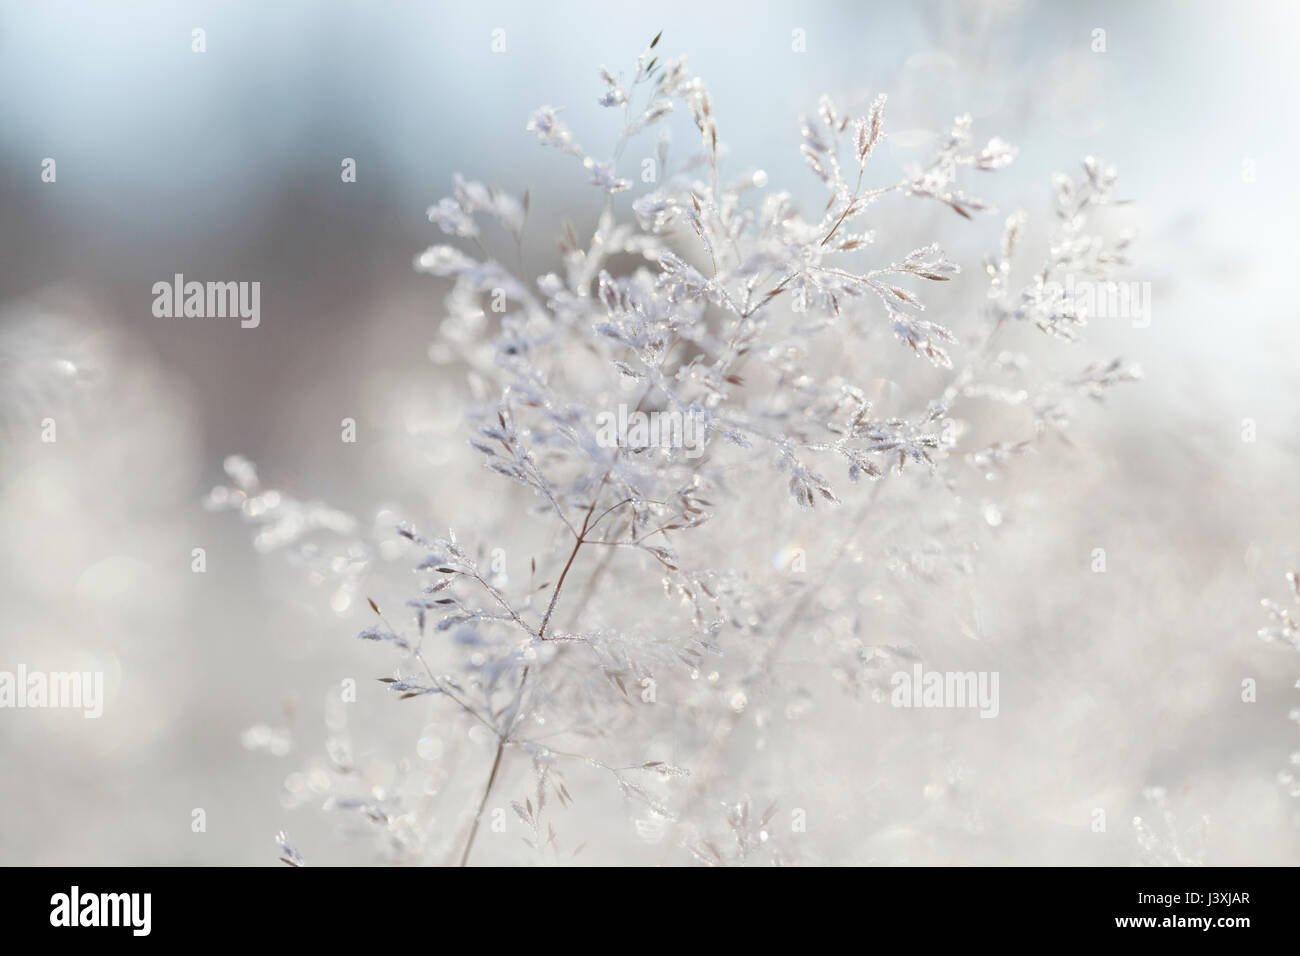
{"x": 482, "y": 804}
{"x": 517, "y": 704}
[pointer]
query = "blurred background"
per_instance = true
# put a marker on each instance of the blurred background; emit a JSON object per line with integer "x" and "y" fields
{"x": 225, "y": 165}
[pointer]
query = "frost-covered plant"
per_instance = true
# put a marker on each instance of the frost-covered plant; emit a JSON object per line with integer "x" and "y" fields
{"x": 1285, "y": 629}
{"x": 1162, "y": 840}
{"x": 677, "y": 605}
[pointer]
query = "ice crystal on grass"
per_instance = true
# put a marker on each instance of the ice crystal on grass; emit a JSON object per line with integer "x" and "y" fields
{"x": 1162, "y": 840}
{"x": 652, "y": 632}
{"x": 1284, "y": 628}
{"x": 288, "y": 853}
